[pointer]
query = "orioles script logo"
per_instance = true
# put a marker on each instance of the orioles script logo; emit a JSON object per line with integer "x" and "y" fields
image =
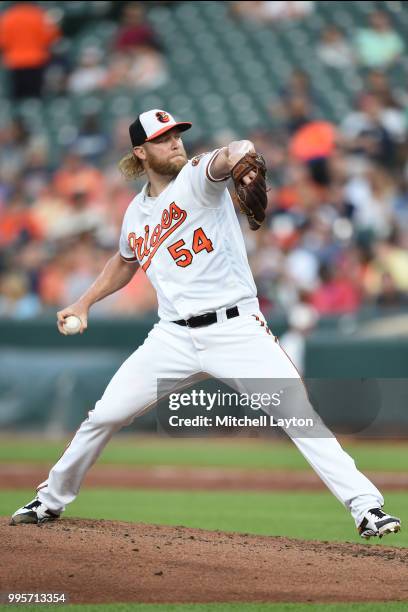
{"x": 147, "y": 245}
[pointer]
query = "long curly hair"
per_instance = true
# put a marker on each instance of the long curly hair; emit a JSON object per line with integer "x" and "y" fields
{"x": 131, "y": 167}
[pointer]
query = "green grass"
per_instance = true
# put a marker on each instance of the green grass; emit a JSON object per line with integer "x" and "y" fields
{"x": 238, "y": 453}
{"x": 313, "y": 516}
{"x": 221, "y": 607}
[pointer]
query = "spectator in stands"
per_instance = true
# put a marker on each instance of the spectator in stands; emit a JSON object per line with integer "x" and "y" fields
{"x": 298, "y": 85}
{"x": 379, "y": 45}
{"x": 334, "y": 50}
{"x": 14, "y": 141}
{"x": 37, "y": 173}
{"x": 148, "y": 69}
{"x": 377, "y": 83}
{"x": 134, "y": 31}
{"x": 393, "y": 117}
{"x": 80, "y": 218}
{"x": 53, "y": 275}
{"x": 17, "y": 223}
{"x": 367, "y": 133}
{"x": 76, "y": 176}
{"x": 26, "y": 37}
{"x": 269, "y": 12}
{"x": 48, "y": 209}
{"x": 29, "y": 259}
{"x": 144, "y": 69}
{"x": 16, "y": 299}
{"x": 302, "y": 320}
{"x": 82, "y": 272}
{"x": 92, "y": 142}
{"x": 392, "y": 258}
{"x": 90, "y": 75}
{"x": 390, "y": 296}
{"x": 138, "y": 62}
{"x": 314, "y": 143}
{"x": 266, "y": 260}
{"x": 298, "y": 113}
{"x": 372, "y": 193}
{"x": 400, "y": 203}
{"x": 297, "y": 91}
{"x": 59, "y": 69}
{"x": 301, "y": 267}
{"x": 338, "y": 292}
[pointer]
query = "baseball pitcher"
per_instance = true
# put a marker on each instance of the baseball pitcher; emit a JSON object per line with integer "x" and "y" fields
{"x": 182, "y": 230}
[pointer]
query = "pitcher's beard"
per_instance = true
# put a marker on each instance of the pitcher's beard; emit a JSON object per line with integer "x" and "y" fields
{"x": 167, "y": 167}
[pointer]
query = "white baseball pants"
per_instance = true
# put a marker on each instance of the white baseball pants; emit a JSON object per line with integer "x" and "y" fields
{"x": 239, "y": 348}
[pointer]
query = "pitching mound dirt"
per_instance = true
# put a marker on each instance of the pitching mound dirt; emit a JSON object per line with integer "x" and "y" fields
{"x": 105, "y": 561}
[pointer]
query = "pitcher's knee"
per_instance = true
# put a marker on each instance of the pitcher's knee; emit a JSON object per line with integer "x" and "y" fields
{"x": 108, "y": 418}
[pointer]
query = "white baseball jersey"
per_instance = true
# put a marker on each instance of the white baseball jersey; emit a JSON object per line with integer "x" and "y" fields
{"x": 189, "y": 242}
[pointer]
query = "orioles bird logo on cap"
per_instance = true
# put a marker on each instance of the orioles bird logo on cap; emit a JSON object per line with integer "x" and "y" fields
{"x": 162, "y": 117}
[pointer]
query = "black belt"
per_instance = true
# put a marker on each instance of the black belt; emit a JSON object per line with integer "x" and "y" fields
{"x": 208, "y": 318}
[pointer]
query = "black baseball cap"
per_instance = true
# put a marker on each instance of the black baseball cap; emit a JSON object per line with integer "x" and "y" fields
{"x": 153, "y": 123}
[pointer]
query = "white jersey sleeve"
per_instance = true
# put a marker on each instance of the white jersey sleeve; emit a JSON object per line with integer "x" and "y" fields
{"x": 205, "y": 187}
{"x": 125, "y": 240}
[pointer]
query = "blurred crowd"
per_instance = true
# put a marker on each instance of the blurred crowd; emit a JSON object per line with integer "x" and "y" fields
{"x": 336, "y": 236}
{"x": 37, "y": 64}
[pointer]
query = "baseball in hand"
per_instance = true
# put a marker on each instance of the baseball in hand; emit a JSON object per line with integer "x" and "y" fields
{"x": 72, "y": 325}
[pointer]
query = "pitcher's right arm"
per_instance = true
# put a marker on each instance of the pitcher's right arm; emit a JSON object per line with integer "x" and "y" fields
{"x": 116, "y": 274}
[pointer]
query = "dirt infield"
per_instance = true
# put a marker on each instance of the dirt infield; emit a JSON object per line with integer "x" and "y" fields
{"x": 105, "y": 561}
{"x": 167, "y": 478}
